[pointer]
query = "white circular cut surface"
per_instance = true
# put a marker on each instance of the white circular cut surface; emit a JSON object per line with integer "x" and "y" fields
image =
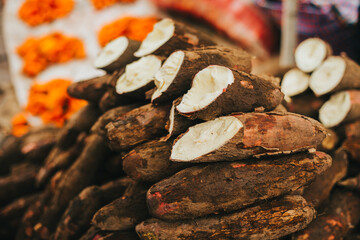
{"x": 334, "y": 111}
{"x": 310, "y": 54}
{"x": 138, "y": 74}
{"x": 161, "y": 33}
{"x": 167, "y": 73}
{"x": 327, "y": 76}
{"x": 207, "y": 85}
{"x": 294, "y": 82}
{"x": 111, "y": 52}
{"x": 204, "y": 138}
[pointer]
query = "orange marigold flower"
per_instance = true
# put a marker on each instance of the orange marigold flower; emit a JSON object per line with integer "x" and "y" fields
{"x": 131, "y": 27}
{"x": 20, "y": 125}
{"x": 51, "y": 102}
{"x": 100, "y": 4}
{"x": 38, "y": 53}
{"x": 35, "y": 12}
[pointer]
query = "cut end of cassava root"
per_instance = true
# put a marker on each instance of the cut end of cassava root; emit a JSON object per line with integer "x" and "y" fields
{"x": 138, "y": 74}
{"x": 334, "y": 111}
{"x": 161, "y": 33}
{"x": 111, "y": 52}
{"x": 328, "y": 75}
{"x": 294, "y": 82}
{"x": 205, "y": 137}
{"x": 310, "y": 54}
{"x": 167, "y": 73}
{"x": 207, "y": 85}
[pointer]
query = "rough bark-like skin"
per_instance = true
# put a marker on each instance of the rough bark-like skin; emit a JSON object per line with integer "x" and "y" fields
{"x": 137, "y": 126}
{"x": 19, "y": 183}
{"x": 269, "y": 133}
{"x": 350, "y": 79}
{"x": 198, "y": 59}
{"x": 32, "y": 215}
{"x": 351, "y": 183}
{"x": 341, "y": 213}
{"x": 330, "y": 142}
{"x": 111, "y": 100}
{"x": 10, "y": 215}
{"x": 111, "y": 115}
{"x": 305, "y": 104}
{"x": 10, "y": 153}
{"x": 268, "y": 220}
{"x": 36, "y": 145}
{"x": 76, "y": 178}
{"x": 246, "y": 94}
{"x": 352, "y": 146}
{"x": 77, "y": 216}
{"x": 79, "y": 122}
{"x": 354, "y": 112}
{"x": 59, "y": 159}
{"x": 217, "y": 187}
{"x": 184, "y": 37}
{"x": 177, "y": 123}
{"x": 125, "y": 212}
{"x": 125, "y": 58}
{"x": 90, "y": 90}
{"x": 120, "y": 235}
{"x": 151, "y": 162}
{"x": 319, "y": 190}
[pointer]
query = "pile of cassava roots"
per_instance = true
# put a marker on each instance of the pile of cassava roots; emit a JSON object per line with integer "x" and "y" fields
{"x": 180, "y": 141}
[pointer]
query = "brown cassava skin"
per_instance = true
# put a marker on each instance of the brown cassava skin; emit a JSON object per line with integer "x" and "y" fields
{"x": 111, "y": 115}
{"x": 177, "y": 123}
{"x": 354, "y": 112}
{"x": 341, "y": 213}
{"x": 270, "y": 133}
{"x": 352, "y": 147}
{"x": 246, "y": 94}
{"x": 125, "y": 212}
{"x": 184, "y": 37}
{"x": 32, "y": 215}
{"x": 125, "y": 58}
{"x": 150, "y": 162}
{"x": 319, "y": 190}
{"x": 351, "y": 183}
{"x": 305, "y": 104}
{"x": 111, "y": 99}
{"x": 350, "y": 130}
{"x": 198, "y": 59}
{"x": 350, "y": 79}
{"x": 90, "y": 90}
{"x": 268, "y": 220}
{"x": 59, "y": 159}
{"x": 81, "y": 121}
{"x": 19, "y": 183}
{"x": 10, "y": 153}
{"x": 10, "y": 215}
{"x": 80, "y": 175}
{"x": 78, "y": 214}
{"x": 123, "y": 235}
{"x": 137, "y": 126}
{"x": 36, "y": 145}
{"x": 330, "y": 142}
{"x": 218, "y": 187}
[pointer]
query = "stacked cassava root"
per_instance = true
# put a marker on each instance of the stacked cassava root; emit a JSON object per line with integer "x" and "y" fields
{"x": 231, "y": 165}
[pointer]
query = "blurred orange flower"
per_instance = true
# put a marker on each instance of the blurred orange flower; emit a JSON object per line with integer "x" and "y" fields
{"x": 35, "y": 12}
{"x": 50, "y": 102}
{"x": 132, "y": 27}
{"x": 100, "y": 4}
{"x": 38, "y": 53}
